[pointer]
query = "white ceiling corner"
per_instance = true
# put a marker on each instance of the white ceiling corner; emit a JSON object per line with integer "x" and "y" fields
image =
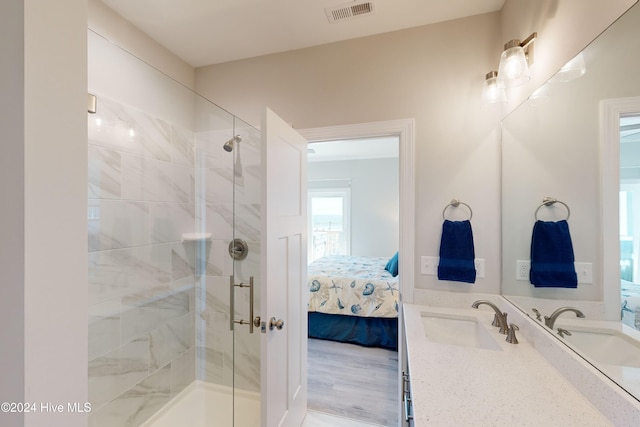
{"x": 205, "y": 32}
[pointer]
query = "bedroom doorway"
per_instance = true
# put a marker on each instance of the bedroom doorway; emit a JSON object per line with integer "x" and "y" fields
{"x": 383, "y": 228}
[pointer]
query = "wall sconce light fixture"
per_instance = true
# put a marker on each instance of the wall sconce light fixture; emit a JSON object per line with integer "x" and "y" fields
{"x": 514, "y": 62}
{"x": 491, "y": 92}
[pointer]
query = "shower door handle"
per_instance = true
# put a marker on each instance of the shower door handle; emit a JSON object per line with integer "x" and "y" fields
{"x": 253, "y": 321}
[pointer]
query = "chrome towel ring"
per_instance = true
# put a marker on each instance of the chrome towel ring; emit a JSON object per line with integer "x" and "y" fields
{"x": 455, "y": 203}
{"x": 549, "y": 201}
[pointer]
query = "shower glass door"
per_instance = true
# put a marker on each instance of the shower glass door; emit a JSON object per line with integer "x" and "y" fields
{"x": 227, "y": 153}
{"x": 246, "y": 271}
{"x": 166, "y": 198}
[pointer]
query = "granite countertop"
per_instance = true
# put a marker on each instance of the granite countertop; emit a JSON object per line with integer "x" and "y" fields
{"x": 459, "y": 385}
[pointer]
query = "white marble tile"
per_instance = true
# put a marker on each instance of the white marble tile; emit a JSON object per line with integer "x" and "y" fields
{"x": 171, "y": 339}
{"x": 183, "y": 219}
{"x": 162, "y": 227}
{"x": 168, "y": 221}
{"x": 183, "y": 371}
{"x": 104, "y": 327}
{"x": 246, "y": 351}
{"x": 121, "y": 272}
{"x": 217, "y": 219}
{"x": 183, "y": 184}
{"x": 132, "y": 177}
{"x": 183, "y": 260}
{"x": 157, "y": 181}
{"x": 247, "y": 221}
{"x": 115, "y": 224}
{"x": 215, "y": 260}
{"x": 183, "y": 146}
{"x": 104, "y": 169}
{"x": 152, "y": 134}
{"x": 137, "y": 404}
{"x": 214, "y": 366}
{"x": 117, "y": 371}
{"x": 142, "y": 313}
{"x": 218, "y": 185}
{"x": 111, "y": 127}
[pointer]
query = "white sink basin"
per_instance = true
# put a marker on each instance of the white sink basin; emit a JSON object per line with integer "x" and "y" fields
{"x": 605, "y": 345}
{"x": 457, "y": 330}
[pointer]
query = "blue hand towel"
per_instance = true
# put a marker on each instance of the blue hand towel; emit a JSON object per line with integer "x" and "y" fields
{"x": 552, "y": 260}
{"x": 456, "y": 252}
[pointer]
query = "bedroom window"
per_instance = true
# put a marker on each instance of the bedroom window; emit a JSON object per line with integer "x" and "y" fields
{"x": 629, "y": 198}
{"x": 329, "y": 223}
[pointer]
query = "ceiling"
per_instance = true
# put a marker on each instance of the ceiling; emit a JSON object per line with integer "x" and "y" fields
{"x": 205, "y": 32}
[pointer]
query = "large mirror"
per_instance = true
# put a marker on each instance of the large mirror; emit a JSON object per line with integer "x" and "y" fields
{"x": 575, "y": 141}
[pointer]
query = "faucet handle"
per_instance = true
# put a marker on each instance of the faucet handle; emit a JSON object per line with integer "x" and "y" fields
{"x": 537, "y": 313}
{"x": 562, "y": 332}
{"x": 511, "y": 334}
{"x": 504, "y": 326}
{"x": 496, "y": 321}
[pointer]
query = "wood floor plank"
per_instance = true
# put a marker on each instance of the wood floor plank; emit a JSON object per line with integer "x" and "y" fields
{"x": 353, "y": 381}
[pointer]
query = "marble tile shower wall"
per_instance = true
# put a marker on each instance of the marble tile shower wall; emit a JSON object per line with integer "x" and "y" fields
{"x": 141, "y": 276}
{"x": 229, "y": 206}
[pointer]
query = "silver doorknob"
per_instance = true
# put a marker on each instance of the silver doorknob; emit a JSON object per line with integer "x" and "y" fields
{"x": 278, "y": 324}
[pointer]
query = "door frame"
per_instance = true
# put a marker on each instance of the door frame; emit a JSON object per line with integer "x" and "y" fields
{"x": 404, "y": 129}
{"x": 610, "y": 112}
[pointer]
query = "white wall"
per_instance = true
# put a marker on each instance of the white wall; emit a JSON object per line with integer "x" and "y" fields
{"x": 374, "y": 201}
{"x": 433, "y": 74}
{"x": 120, "y": 32}
{"x": 12, "y": 244}
{"x": 55, "y": 207}
{"x": 404, "y": 74}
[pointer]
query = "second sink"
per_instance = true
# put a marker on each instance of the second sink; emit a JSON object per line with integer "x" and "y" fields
{"x": 457, "y": 330}
{"x": 605, "y": 345}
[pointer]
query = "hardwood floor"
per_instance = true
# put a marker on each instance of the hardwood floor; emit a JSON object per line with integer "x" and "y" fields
{"x": 355, "y": 382}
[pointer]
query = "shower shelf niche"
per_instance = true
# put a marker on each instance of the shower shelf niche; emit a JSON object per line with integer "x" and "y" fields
{"x": 196, "y": 237}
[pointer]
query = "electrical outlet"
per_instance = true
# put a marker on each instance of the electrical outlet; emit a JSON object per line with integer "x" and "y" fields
{"x": 584, "y": 271}
{"x": 479, "y": 263}
{"x": 522, "y": 269}
{"x": 429, "y": 265}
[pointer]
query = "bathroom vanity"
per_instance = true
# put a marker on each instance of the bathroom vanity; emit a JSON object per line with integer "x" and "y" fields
{"x": 463, "y": 372}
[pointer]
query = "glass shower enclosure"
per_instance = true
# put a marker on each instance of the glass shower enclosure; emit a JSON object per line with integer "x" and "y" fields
{"x": 174, "y": 252}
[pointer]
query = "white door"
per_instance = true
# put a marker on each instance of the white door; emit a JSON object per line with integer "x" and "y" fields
{"x": 283, "y": 272}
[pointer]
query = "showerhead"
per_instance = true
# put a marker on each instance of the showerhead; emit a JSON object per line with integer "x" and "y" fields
{"x": 228, "y": 146}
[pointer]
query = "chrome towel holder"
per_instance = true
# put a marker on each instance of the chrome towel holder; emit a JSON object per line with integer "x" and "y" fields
{"x": 549, "y": 201}
{"x": 455, "y": 203}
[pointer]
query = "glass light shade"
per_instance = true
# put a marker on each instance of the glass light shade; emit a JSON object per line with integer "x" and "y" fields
{"x": 571, "y": 71}
{"x": 513, "y": 69}
{"x": 491, "y": 92}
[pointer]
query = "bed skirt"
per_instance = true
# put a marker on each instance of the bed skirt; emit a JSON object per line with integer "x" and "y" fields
{"x": 366, "y": 331}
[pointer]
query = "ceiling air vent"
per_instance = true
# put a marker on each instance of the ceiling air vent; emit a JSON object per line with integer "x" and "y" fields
{"x": 349, "y": 11}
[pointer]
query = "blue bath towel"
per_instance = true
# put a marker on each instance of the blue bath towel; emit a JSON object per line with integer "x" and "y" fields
{"x": 552, "y": 260}
{"x": 457, "y": 254}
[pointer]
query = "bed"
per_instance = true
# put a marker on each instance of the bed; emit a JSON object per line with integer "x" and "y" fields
{"x": 630, "y": 299}
{"x": 353, "y": 299}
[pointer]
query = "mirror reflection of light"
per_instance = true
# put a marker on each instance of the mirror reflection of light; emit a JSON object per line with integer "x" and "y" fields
{"x": 572, "y": 70}
{"x": 132, "y": 133}
{"x": 539, "y": 96}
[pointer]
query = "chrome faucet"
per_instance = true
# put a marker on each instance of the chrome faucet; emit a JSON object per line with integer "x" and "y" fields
{"x": 549, "y": 321}
{"x": 500, "y": 316}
